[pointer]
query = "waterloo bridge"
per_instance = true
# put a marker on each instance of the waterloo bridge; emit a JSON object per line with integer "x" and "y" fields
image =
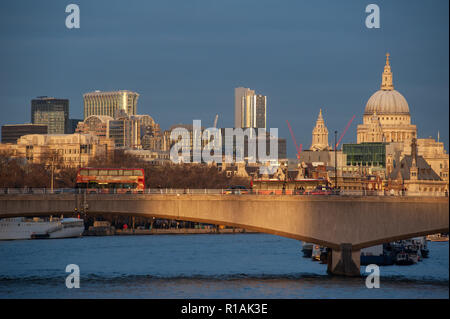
{"x": 346, "y": 224}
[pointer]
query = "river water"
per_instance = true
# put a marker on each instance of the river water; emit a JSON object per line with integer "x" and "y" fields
{"x": 200, "y": 266}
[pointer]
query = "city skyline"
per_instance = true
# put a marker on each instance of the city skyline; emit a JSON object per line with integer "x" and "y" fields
{"x": 223, "y": 153}
{"x": 189, "y": 69}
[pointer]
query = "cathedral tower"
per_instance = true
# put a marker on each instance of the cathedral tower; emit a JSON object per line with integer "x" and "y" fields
{"x": 319, "y": 135}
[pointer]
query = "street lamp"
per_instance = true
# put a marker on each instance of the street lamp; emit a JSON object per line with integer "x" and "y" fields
{"x": 52, "y": 171}
{"x": 51, "y": 182}
{"x": 335, "y": 159}
{"x": 79, "y": 165}
{"x": 83, "y": 150}
{"x": 285, "y": 165}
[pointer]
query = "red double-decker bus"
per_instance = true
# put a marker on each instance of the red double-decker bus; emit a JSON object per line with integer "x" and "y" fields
{"x": 275, "y": 186}
{"x": 111, "y": 180}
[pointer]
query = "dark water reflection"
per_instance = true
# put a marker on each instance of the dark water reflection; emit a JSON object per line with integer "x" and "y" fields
{"x": 200, "y": 266}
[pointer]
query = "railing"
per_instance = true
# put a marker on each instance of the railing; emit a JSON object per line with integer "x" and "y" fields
{"x": 195, "y": 191}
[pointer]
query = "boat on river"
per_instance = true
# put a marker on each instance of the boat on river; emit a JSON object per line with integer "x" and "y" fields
{"x": 437, "y": 237}
{"x": 316, "y": 252}
{"x": 39, "y": 228}
{"x": 403, "y": 258}
{"x": 307, "y": 249}
{"x": 380, "y": 255}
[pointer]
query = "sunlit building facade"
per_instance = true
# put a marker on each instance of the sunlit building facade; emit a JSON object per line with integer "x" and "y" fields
{"x": 64, "y": 150}
{"x": 110, "y": 103}
{"x": 250, "y": 109}
{"x": 319, "y": 135}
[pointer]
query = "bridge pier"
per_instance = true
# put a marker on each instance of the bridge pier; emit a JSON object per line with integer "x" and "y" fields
{"x": 344, "y": 261}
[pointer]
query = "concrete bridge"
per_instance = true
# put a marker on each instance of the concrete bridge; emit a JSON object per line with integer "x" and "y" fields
{"x": 343, "y": 223}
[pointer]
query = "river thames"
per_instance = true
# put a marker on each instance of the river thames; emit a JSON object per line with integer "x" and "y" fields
{"x": 201, "y": 266}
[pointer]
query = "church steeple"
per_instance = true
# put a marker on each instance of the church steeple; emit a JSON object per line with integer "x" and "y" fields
{"x": 414, "y": 170}
{"x": 320, "y": 117}
{"x": 414, "y": 152}
{"x": 386, "y": 78}
{"x": 319, "y": 135}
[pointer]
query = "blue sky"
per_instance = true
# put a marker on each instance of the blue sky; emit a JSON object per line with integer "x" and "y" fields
{"x": 185, "y": 58}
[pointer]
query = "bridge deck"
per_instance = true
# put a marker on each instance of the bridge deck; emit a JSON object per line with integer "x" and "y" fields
{"x": 327, "y": 220}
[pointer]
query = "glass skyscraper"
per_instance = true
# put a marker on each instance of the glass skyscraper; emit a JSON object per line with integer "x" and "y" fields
{"x": 260, "y": 111}
{"x": 52, "y": 112}
{"x": 249, "y": 108}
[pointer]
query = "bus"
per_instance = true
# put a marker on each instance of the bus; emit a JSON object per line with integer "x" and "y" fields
{"x": 291, "y": 187}
{"x": 111, "y": 180}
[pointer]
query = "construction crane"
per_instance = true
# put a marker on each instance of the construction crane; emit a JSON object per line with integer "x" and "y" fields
{"x": 299, "y": 149}
{"x": 215, "y": 120}
{"x": 345, "y": 130}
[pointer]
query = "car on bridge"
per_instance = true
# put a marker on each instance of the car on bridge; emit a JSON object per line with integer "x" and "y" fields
{"x": 324, "y": 190}
{"x": 236, "y": 190}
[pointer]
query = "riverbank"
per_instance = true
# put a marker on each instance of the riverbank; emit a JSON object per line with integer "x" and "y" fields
{"x": 168, "y": 231}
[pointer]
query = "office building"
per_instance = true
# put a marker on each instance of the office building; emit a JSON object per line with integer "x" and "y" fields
{"x": 260, "y": 111}
{"x": 249, "y": 108}
{"x": 64, "y": 150}
{"x": 125, "y": 132}
{"x": 365, "y": 154}
{"x": 110, "y": 103}
{"x": 73, "y": 123}
{"x": 97, "y": 125}
{"x": 51, "y": 112}
{"x": 147, "y": 125}
{"x": 12, "y": 132}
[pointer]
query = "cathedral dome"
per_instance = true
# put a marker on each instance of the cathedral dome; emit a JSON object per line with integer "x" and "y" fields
{"x": 386, "y": 117}
{"x": 387, "y": 102}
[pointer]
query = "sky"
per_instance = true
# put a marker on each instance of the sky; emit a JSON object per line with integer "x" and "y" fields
{"x": 185, "y": 58}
